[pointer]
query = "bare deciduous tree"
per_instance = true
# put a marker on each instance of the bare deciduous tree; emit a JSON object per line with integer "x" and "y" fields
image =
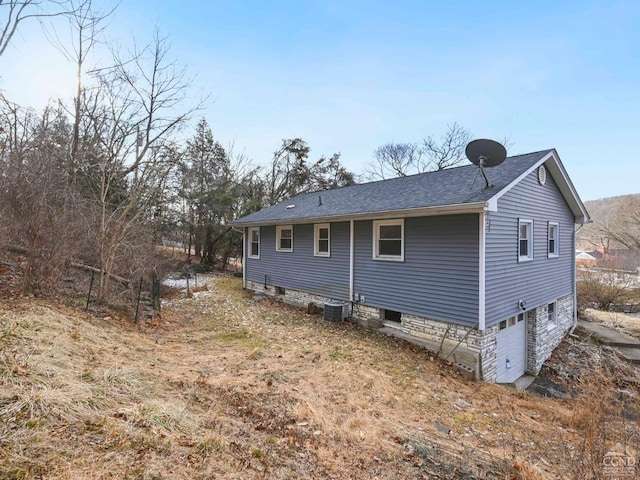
{"x": 431, "y": 154}
{"x": 402, "y": 159}
{"x": 131, "y": 119}
{"x": 447, "y": 152}
{"x": 623, "y": 226}
{"x": 87, "y": 26}
{"x": 31, "y": 207}
{"x": 15, "y": 12}
{"x": 394, "y": 160}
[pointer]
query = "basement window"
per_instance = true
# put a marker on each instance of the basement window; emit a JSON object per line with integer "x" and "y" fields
{"x": 392, "y": 316}
{"x": 552, "y": 316}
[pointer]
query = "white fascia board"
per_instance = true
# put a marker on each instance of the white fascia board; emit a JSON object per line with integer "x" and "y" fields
{"x": 557, "y": 170}
{"x": 559, "y": 174}
{"x": 492, "y": 205}
{"x": 411, "y": 212}
{"x": 523, "y": 175}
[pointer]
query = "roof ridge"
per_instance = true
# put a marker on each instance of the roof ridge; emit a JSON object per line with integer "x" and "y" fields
{"x": 452, "y": 186}
{"x": 421, "y": 173}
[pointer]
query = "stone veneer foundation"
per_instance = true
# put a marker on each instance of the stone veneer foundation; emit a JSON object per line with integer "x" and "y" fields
{"x": 543, "y": 335}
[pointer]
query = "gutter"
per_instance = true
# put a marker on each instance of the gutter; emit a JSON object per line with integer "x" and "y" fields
{"x": 460, "y": 208}
{"x": 575, "y": 278}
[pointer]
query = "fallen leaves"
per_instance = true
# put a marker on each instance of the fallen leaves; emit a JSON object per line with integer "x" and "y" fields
{"x": 18, "y": 369}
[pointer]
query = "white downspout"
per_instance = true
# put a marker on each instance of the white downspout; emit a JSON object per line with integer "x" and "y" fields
{"x": 481, "y": 272}
{"x": 244, "y": 257}
{"x": 575, "y": 279}
{"x": 352, "y": 244}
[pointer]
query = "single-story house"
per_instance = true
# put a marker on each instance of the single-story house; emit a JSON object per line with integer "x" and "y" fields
{"x": 484, "y": 274}
{"x": 586, "y": 260}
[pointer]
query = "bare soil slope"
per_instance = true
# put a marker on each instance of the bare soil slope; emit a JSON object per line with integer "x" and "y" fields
{"x": 228, "y": 387}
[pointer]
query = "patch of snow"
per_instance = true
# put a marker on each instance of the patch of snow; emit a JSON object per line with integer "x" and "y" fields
{"x": 176, "y": 282}
{"x": 203, "y": 293}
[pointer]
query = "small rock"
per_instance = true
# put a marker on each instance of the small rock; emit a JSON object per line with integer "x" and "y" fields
{"x": 442, "y": 428}
{"x": 462, "y": 404}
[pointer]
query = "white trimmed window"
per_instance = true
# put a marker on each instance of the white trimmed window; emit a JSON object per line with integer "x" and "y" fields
{"x": 552, "y": 315}
{"x": 284, "y": 238}
{"x": 553, "y": 237}
{"x": 525, "y": 240}
{"x": 254, "y": 242}
{"x": 388, "y": 240}
{"x": 321, "y": 240}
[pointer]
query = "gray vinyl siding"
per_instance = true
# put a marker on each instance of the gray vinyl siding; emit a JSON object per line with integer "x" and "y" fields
{"x": 541, "y": 280}
{"x": 300, "y": 269}
{"x": 439, "y": 276}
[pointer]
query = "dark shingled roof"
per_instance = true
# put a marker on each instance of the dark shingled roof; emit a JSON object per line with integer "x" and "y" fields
{"x": 453, "y": 186}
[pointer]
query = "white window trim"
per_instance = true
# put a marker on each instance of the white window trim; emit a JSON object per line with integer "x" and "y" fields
{"x": 529, "y": 256}
{"x": 557, "y": 239}
{"x": 376, "y": 235}
{"x": 552, "y": 322}
{"x": 250, "y": 235}
{"x": 279, "y": 230}
{"x": 316, "y": 240}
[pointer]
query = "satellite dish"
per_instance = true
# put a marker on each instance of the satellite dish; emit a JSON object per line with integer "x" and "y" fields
{"x": 485, "y": 153}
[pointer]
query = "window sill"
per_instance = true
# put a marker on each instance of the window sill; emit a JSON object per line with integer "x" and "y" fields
{"x": 254, "y": 257}
{"x": 551, "y": 327}
{"x": 326, "y": 255}
{"x": 389, "y": 259}
{"x": 284, "y": 251}
{"x": 552, "y": 255}
{"x": 525, "y": 259}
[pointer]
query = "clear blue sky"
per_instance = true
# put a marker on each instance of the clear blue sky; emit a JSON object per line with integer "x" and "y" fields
{"x": 350, "y": 76}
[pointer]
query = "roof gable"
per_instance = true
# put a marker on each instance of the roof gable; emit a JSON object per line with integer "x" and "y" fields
{"x": 557, "y": 171}
{"x": 453, "y": 190}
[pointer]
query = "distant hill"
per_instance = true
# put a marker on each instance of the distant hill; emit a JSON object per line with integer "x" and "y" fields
{"x": 612, "y": 212}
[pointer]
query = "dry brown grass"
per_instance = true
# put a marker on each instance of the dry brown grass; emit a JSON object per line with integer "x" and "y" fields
{"x": 228, "y": 387}
{"x": 629, "y": 324}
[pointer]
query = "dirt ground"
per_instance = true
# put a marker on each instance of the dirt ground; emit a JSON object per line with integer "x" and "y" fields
{"x": 225, "y": 386}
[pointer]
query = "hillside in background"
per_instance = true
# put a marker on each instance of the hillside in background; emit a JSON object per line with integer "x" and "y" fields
{"x": 612, "y": 212}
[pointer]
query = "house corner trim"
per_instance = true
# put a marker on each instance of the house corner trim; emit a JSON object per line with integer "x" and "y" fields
{"x": 244, "y": 257}
{"x": 351, "y": 258}
{"x": 481, "y": 271}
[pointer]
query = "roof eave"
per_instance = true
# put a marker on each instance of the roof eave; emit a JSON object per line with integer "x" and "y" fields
{"x": 404, "y": 213}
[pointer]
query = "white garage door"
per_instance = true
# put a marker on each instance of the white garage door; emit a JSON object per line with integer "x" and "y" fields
{"x": 512, "y": 349}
